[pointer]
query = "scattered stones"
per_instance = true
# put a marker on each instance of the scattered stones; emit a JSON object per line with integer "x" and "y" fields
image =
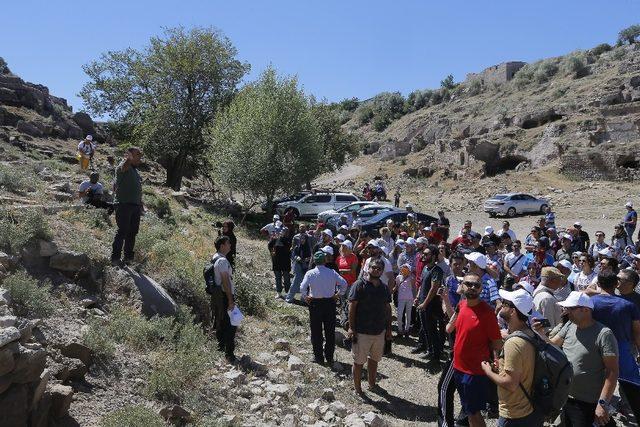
{"x": 282, "y": 345}
{"x": 374, "y": 420}
{"x": 295, "y": 363}
{"x": 290, "y": 420}
{"x": 279, "y": 389}
{"x": 282, "y": 354}
{"x": 354, "y": 420}
{"x": 89, "y": 301}
{"x": 30, "y": 362}
{"x": 47, "y": 249}
{"x": 236, "y": 377}
{"x": 7, "y": 321}
{"x": 7, "y": 362}
{"x": 40, "y": 389}
{"x": 230, "y": 420}
{"x": 328, "y": 394}
{"x": 8, "y": 335}
{"x": 75, "y": 350}
{"x": 339, "y": 408}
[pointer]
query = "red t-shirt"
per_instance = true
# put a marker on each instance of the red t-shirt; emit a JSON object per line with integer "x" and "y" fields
{"x": 419, "y": 268}
{"x": 476, "y": 327}
{"x": 346, "y": 263}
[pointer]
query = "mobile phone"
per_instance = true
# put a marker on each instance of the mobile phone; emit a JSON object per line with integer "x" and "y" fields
{"x": 543, "y": 322}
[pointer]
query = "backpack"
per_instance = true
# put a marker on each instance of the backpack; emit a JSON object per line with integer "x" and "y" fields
{"x": 552, "y": 376}
{"x": 209, "y": 273}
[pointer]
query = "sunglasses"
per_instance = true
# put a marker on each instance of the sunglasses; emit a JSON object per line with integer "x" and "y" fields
{"x": 476, "y": 285}
{"x": 374, "y": 267}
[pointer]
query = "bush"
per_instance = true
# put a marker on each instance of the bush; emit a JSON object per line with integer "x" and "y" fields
{"x": 629, "y": 35}
{"x": 389, "y": 105}
{"x": 575, "y": 65}
{"x": 349, "y": 104}
{"x": 545, "y": 71}
{"x": 600, "y": 49}
{"x": 380, "y": 122}
{"x": 344, "y": 116}
{"x": 475, "y": 87}
{"x": 17, "y": 180}
{"x": 133, "y": 416}
{"x": 364, "y": 114}
{"x": 19, "y": 228}
{"x": 158, "y": 204}
{"x": 28, "y": 298}
{"x": 417, "y": 100}
{"x": 618, "y": 53}
{"x": 524, "y": 76}
{"x": 98, "y": 339}
{"x": 251, "y": 295}
{"x": 447, "y": 82}
{"x": 126, "y": 326}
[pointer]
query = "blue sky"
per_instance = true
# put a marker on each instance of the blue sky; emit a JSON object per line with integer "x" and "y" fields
{"x": 338, "y": 49}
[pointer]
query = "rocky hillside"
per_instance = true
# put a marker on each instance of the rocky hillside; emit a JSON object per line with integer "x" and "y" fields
{"x": 580, "y": 112}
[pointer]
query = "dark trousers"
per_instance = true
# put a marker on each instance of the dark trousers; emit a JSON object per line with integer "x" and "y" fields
{"x": 217, "y": 307}
{"x": 226, "y": 333}
{"x": 322, "y": 315}
{"x": 128, "y": 222}
{"x": 631, "y": 393}
{"x": 580, "y": 414}
{"x": 534, "y": 419}
{"x": 281, "y": 276}
{"x": 429, "y": 320}
{"x": 446, "y": 394}
{"x": 422, "y": 333}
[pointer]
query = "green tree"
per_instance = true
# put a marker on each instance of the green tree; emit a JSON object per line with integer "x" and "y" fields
{"x": 629, "y": 35}
{"x": 267, "y": 140}
{"x": 167, "y": 94}
{"x": 448, "y": 82}
{"x": 337, "y": 145}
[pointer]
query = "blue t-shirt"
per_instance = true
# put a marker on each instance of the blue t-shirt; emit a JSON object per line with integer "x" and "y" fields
{"x": 630, "y": 216}
{"x": 452, "y": 283}
{"x": 617, "y": 314}
{"x": 529, "y": 258}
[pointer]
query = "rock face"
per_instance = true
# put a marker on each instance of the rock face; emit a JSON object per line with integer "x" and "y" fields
{"x": 70, "y": 261}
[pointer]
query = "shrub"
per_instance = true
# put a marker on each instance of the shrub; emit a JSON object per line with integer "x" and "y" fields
{"x": 344, "y": 116}
{"x": 28, "y": 298}
{"x": 629, "y": 35}
{"x": 545, "y": 71}
{"x": 618, "y": 53}
{"x": 524, "y": 76}
{"x": 447, "y": 82}
{"x": 152, "y": 230}
{"x": 251, "y": 295}
{"x": 158, "y": 204}
{"x": 128, "y": 327}
{"x": 349, "y": 104}
{"x": 17, "y": 180}
{"x": 417, "y": 100}
{"x": 98, "y": 339}
{"x": 600, "y": 49}
{"x": 380, "y": 122}
{"x": 389, "y": 105}
{"x": 132, "y": 416}
{"x": 475, "y": 87}
{"x": 575, "y": 65}
{"x": 19, "y": 228}
{"x": 364, "y": 114}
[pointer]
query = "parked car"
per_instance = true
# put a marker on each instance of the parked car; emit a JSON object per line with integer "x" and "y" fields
{"x": 366, "y": 212}
{"x": 312, "y": 204}
{"x": 330, "y": 214}
{"x": 376, "y": 222}
{"x": 266, "y": 207}
{"x": 512, "y": 204}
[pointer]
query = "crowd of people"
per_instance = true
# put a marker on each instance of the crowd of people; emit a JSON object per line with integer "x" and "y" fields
{"x": 476, "y": 302}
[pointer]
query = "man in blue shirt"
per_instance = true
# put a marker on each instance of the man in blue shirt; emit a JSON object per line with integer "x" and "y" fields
{"x": 630, "y": 220}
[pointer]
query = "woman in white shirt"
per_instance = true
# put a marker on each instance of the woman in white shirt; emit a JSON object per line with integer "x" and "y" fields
{"x": 586, "y": 276}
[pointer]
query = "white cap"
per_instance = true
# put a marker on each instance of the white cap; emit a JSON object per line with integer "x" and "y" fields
{"x": 577, "y": 299}
{"x": 565, "y": 263}
{"x": 526, "y": 286}
{"x": 520, "y": 298}
{"x": 343, "y": 216}
{"x": 276, "y": 217}
{"x": 426, "y": 229}
{"x": 89, "y": 138}
{"x": 606, "y": 252}
{"x": 577, "y": 224}
{"x": 488, "y": 230}
{"x": 478, "y": 259}
{"x": 400, "y": 243}
{"x": 629, "y": 205}
{"x": 278, "y": 224}
{"x": 408, "y": 206}
{"x": 327, "y": 250}
{"x": 389, "y": 221}
{"x": 328, "y": 232}
{"x": 343, "y": 227}
{"x": 410, "y": 215}
{"x": 411, "y": 241}
{"x": 347, "y": 243}
{"x": 422, "y": 240}
{"x": 373, "y": 243}
{"x": 341, "y": 237}
{"x": 567, "y": 236}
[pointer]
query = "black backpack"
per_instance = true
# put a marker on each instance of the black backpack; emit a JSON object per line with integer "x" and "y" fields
{"x": 209, "y": 275}
{"x": 552, "y": 377}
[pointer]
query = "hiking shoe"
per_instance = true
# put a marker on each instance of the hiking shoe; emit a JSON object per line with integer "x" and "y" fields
{"x": 117, "y": 263}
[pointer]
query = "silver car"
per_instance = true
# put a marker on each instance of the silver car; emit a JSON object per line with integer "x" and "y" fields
{"x": 512, "y": 204}
{"x": 334, "y": 214}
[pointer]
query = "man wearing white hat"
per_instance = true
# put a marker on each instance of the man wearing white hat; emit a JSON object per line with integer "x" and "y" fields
{"x": 408, "y": 255}
{"x": 86, "y": 150}
{"x": 592, "y": 350}
{"x": 272, "y": 228}
{"x": 375, "y": 252}
{"x": 490, "y": 236}
{"x": 630, "y": 220}
{"x": 478, "y": 265}
{"x": 516, "y": 364}
{"x": 325, "y": 239}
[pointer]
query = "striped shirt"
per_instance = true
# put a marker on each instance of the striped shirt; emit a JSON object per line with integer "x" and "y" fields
{"x": 489, "y": 292}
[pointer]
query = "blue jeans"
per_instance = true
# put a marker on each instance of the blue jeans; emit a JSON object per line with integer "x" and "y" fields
{"x": 630, "y": 229}
{"x": 298, "y": 274}
{"x": 280, "y": 277}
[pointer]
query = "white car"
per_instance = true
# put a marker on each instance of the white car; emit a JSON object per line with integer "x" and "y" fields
{"x": 334, "y": 214}
{"x": 512, "y": 204}
{"x": 313, "y": 204}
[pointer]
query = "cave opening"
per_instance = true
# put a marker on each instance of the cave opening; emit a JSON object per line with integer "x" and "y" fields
{"x": 503, "y": 164}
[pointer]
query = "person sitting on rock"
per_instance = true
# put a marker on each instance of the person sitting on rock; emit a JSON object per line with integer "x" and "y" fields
{"x": 86, "y": 150}
{"x": 92, "y": 193}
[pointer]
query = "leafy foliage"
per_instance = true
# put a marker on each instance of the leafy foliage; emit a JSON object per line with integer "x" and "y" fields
{"x": 132, "y": 416}
{"x": 600, "y": 49}
{"x": 447, "y": 82}
{"x": 364, "y": 114}
{"x": 417, "y": 100}
{"x": 629, "y": 35}
{"x": 166, "y": 94}
{"x": 337, "y": 146}
{"x": 97, "y": 338}
{"x": 19, "y": 228}
{"x": 251, "y": 295}
{"x": 16, "y": 179}
{"x": 29, "y": 299}
{"x": 475, "y": 87}
{"x": 349, "y": 104}
{"x": 268, "y": 139}
{"x": 575, "y": 64}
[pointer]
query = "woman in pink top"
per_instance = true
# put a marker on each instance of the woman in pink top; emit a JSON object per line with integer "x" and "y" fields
{"x": 406, "y": 287}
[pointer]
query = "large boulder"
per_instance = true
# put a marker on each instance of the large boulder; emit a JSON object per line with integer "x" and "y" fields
{"x": 29, "y": 128}
{"x": 75, "y": 350}
{"x": 30, "y": 363}
{"x": 8, "y": 335}
{"x": 61, "y": 396}
{"x": 14, "y": 406}
{"x": 83, "y": 120}
{"x": 125, "y": 285}
{"x": 70, "y": 261}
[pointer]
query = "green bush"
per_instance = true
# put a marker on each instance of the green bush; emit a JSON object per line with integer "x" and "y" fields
{"x": 158, "y": 204}
{"x": 575, "y": 65}
{"x": 98, "y": 339}
{"x": 380, "y": 122}
{"x": 19, "y": 228}
{"x": 28, "y": 298}
{"x": 447, "y": 82}
{"x": 344, "y": 116}
{"x": 524, "y": 76}
{"x": 618, "y": 53}
{"x": 600, "y": 49}
{"x": 364, "y": 114}
{"x": 349, "y": 104}
{"x": 152, "y": 231}
{"x": 475, "y": 87}
{"x": 546, "y": 70}
{"x": 389, "y": 105}
{"x": 629, "y": 35}
{"x": 132, "y": 416}
{"x": 127, "y": 327}
{"x": 17, "y": 179}
{"x": 251, "y": 295}
{"x": 417, "y": 100}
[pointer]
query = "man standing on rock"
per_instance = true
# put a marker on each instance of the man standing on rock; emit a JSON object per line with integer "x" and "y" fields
{"x": 321, "y": 289}
{"x": 369, "y": 323}
{"x": 128, "y": 205}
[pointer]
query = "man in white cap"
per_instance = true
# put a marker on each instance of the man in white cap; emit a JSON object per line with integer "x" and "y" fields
{"x": 592, "y": 350}
{"x": 325, "y": 239}
{"x": 375, "y": 252}
{"x": 490, "y": 236}
{"x": 565, "y": 250}
{"x": 630, "y": 220}
{"x": 478, "y": 266}
{"x": 272, "y": 228}
{"x": 86, "y": 150}
{"x": 506, "y": 230}
{"x": 551, "y": 279}
{"x": 516, "y": 363}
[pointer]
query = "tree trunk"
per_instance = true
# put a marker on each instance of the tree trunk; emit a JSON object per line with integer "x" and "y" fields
{"x": 175, "y": 173}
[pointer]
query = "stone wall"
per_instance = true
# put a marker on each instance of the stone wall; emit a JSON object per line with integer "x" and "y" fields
{"x": 604, "y": 162}
{"x": 498, "y": 74}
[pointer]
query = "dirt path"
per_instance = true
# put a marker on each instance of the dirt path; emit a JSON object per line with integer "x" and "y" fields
{"x": 346, "y": 173}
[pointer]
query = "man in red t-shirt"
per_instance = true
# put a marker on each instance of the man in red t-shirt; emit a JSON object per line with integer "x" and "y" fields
{"x": 477, "y": 335}
{"x": 463, "y": 239}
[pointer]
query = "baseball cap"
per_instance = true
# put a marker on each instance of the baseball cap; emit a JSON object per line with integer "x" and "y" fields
{"x": 327, "y": 250}
{"x": 89, "y": 138}
{"x": 478, "y": 259}
{"x": 373, "y": 243}
{"x": 551, "y": 273}
{"x": 606, "y": 252}
{"x": 341, "y": 237}
{"x": 422, "y": 240}
{"x": 400, "y": 243}
{"x": 411, "y": 241}
{"x": 276, "y": 217}
{"x": 347, "y": 243}
{"x": 628, "y": 205}
{"x": 410, "y": 215}
{"x": 577, "y": 299}
{"x": 524, "y": 285}
{"x": 567, "y": 236}
{"x": 389, "y": 221}
{"x": 565, "y": 263}
{"x": 520, "y": 298}
{"x": 344, "y": 227}
{"x": 488, "y": 230}
{"x": 318, "y": 257}
{"x": 328, "y": 233}
{"x": 408, "y": 206}
{"x": 577, "y": 224}
{"x": 343, "y": 216}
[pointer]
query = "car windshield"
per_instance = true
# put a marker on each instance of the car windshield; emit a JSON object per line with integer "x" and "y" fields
{"x": 500, "y": 196}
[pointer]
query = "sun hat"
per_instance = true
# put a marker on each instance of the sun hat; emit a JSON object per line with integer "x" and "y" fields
{"x": 565, "y": 263}
{"x": 524, "y": 285}
{"x": 411, "y": 241}
{"x": 422, "y": 240}
{"x": 628, "y": 205}
{"x": 488, "y": 230}
{"x": 373, "y": 243}
{"x": 576, "y": 299}
{"x": 89, "y": 138}
{"x": 341, "y": 237}
{"x": 478, "y": 259}
{"x": 328, "y": 233}
{"x": 521, "y": 298}
{"x": 551, "y": 273}
{"x": 276, "y": 217}
{"x": 327, "y": 250}
{"x": 347, "y": 244}
{"x": 606, "y": 252}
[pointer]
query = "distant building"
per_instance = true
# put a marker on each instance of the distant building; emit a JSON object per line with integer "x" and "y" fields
{"x": 500, "y": 73}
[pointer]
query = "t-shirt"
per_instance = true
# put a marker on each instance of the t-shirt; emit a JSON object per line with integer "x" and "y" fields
{"x": 222, "y": 265}
{"x": 585, "y": 349}
{"x": 633, "y": 297}
{"x": 128, "y": 186}
{"x": 452, "y": 284}
{"x": 546, "y": 303}
{"x": 515, "y": 266}
{"x": 405, "y": 287}
{"x": 476, "y": 328}
{"x": 510, "y": 232}
{"x": 630, "y": 216}
{"x": 86, "y": 148}
{"x": 430, "y": 276}
{"x": 489, "y": 292}
{"x": 582, "y": 281}
{"x": 371, "y": 308}
{"x": 519, "y": 356}
{"x": 346, "y": 263}
{"x": 87, "y": 185}
{"x": 387, "y": 269}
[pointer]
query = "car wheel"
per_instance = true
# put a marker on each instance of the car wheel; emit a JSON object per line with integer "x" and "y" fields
{"x": 542, "y": 208}
{"x": 511, "y": 212}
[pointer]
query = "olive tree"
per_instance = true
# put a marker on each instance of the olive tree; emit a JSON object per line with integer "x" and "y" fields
{"x": 629, "y": 35}
{"x": 267, "y": 140}
{"x": 167, "y": 93}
